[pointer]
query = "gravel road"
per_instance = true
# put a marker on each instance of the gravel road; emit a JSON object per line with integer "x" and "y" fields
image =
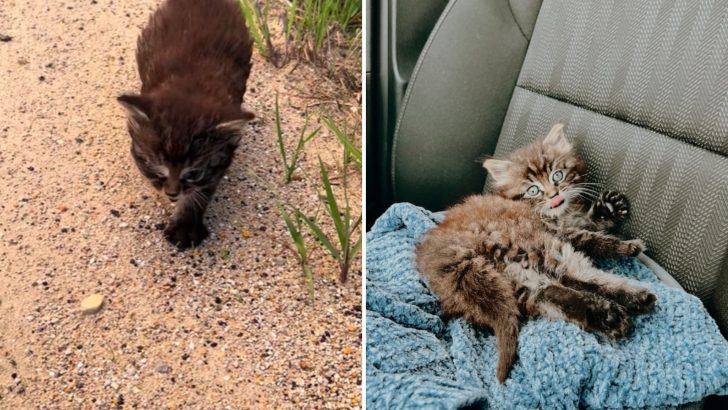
{"x": 227, "y": 325}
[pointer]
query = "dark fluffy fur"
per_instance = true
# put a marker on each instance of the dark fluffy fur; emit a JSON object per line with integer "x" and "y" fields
{"x": 194, "y": 61}
{"x": 524, "y": 250}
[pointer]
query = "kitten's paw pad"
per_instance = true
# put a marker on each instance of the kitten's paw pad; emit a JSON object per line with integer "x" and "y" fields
{"x": 611, "y": 205}
{"x": 185, "y": 236}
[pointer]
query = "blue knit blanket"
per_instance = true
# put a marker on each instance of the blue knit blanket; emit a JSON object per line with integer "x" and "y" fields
{"x": 418, "y": 359}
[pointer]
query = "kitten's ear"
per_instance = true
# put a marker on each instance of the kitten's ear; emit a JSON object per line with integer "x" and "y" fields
{"x": 557, "y": 138}
{"x": 136, "y": 108}
{"x": 497, "y": 169}
{"x": 246, "y": 115}
{"x": 230, "y": 132}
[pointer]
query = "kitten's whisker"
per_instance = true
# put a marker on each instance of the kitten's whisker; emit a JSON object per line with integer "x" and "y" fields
{"x": 585, "y": 189}
{"x": 582, "y": 190}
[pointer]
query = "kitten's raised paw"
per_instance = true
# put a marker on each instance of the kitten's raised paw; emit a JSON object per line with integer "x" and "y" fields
{"x": 611, "y": 205}
{"x": 185, "y": 235}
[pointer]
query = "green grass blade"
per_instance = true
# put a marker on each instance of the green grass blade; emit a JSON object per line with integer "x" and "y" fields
{"x": 355, "y": 225}
{"x": 252, "y": 17}
{"x": 344, "y": 139}
{"x": 302, "y": 140}
{"x": 319, "y": 234}
{"x": 281, "y": 145}
{"x": 333, "y": 207}
{"x": 308, "y": 274}
{"x": 347, "y": 208}
{"x": 291, "y": 17}
{"x": 298, "y": 240}
{"x": 355, "y": 249}
{"x": 312, "y": 135}
{"x": 295, "y": 234}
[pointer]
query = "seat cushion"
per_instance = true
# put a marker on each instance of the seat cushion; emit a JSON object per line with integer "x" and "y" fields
{"x": 643, "y": 89}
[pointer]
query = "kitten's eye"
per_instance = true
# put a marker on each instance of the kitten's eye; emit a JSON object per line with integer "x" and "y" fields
{"x": 196, "y": 175}
{"x": 533, "y": 190}
{"x": 557, "y": 176}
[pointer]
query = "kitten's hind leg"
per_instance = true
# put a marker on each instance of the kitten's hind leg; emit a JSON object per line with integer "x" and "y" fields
{"x": 589, "y": 311}
{"x": 576, "y": 271}
{"x": 635, "y": 300}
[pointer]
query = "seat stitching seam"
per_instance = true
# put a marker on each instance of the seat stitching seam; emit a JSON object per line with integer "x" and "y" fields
{"x": 510, "y": 7}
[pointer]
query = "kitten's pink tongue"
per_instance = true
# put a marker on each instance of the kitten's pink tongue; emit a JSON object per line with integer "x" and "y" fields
{"x": 556, "y": 201}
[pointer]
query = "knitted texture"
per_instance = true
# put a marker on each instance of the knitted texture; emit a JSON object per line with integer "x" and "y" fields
{"x": 417, "y": 358}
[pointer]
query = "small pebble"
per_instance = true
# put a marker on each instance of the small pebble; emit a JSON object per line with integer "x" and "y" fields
{"x": 304, "y": 365}
{"x": 5, "y": 38}
{"x": 163, "y": 368}
{"x": 92, "y": 304}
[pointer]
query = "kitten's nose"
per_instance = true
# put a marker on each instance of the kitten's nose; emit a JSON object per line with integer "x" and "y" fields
{"x": 172, "y": 196}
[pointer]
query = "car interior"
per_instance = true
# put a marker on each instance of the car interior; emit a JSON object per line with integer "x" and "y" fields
{"x": 642, "y": 88}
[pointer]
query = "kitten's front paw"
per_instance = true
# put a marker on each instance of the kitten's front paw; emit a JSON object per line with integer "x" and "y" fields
{"x": 612, "y": 206}
{"x": 633, "y": 247}
{"x": 185, "y": 235}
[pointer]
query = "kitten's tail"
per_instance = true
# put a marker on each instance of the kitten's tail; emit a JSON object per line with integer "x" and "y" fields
{"x": 506, "y": 332}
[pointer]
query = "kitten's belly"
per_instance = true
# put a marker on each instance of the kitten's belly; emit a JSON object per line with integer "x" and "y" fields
{"x": 493, "y": 218}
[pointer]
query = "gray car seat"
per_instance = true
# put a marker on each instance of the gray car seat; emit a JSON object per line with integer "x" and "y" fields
{"x": 641, "y": 85}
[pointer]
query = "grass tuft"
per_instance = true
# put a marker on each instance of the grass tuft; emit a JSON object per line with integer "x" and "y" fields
{"x": 325, "y": 32}
{"x": 341, "y": 249}
{"x": 294, "y": 229}
{"x": 315, "y": 20}
{"x": 256, "y": 16}
{"x": 291, "y": 165}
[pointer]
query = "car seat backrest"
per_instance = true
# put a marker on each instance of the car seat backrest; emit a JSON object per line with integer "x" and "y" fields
{"x": 643, "y": 89}
{"x": 457, "y": 98}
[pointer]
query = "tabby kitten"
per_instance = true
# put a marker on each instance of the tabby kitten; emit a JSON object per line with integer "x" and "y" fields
{"x": 194, "y": 61}
{"x": 525, "y": 250}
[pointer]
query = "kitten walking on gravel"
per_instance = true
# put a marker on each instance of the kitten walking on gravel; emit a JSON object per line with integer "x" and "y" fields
{"x": 194, "y": 61}
{"x": 525, "y": 250}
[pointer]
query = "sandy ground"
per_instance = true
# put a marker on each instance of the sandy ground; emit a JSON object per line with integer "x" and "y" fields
{"x": 228, "y": 325}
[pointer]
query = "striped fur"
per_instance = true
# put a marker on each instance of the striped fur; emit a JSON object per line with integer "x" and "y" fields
{"x": 514, "y": 254}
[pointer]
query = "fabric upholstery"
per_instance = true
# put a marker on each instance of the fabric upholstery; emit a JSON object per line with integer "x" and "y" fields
{"x": 643, "y": 89}
{"x": 456, "y": 101}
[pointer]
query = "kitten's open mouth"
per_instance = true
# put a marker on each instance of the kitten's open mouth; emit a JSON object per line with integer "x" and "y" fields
{"x": 557, "y": 201}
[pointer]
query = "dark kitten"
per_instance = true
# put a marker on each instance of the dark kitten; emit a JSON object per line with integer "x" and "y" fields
{"x": 525, "y": 250}
{"x": 194, "y": 62}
